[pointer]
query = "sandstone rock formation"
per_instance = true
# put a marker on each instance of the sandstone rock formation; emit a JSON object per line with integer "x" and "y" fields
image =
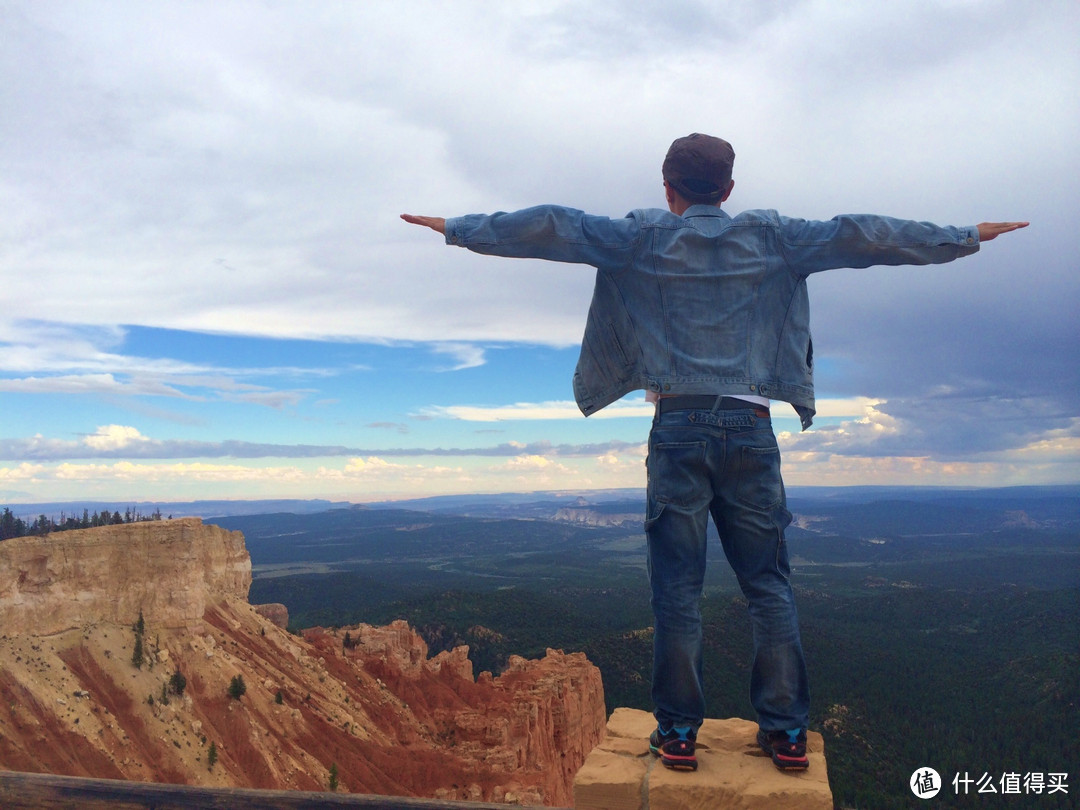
{"x": 392, "y": 720}
{"x": 621, "y": 774}
{"x": 171, "y": 570}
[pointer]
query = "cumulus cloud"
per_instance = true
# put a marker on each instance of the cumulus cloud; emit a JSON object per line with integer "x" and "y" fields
{"x": 113, "y": 437}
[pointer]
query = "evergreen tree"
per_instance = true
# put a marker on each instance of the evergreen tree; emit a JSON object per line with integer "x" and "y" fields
{"x": 237, "y": 687}
{"x": 178, "y": 683}
{"x": 137, "y": 654}
{"x": 11, "y": 526}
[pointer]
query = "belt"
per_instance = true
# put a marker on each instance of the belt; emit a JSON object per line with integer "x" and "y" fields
{"x": 707, "y": 402}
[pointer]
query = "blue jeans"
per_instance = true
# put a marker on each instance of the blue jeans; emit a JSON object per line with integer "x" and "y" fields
{"x": 723, "y": 462}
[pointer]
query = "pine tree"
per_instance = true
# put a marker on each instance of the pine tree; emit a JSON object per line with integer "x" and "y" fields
{"x": 178, "y": 683}
{"x": 137, "y": 653}
{"x": 237, "y": 687}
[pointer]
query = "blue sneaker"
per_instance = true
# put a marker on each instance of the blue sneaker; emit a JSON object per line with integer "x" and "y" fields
{"x": 675, "y": 747}
{"x": 787, "y": 748}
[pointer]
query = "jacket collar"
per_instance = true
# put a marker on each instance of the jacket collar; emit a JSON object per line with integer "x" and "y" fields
{"x": 705, "y": 210}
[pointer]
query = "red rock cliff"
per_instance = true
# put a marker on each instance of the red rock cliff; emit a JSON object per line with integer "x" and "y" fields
{"x": 391, "y": 719}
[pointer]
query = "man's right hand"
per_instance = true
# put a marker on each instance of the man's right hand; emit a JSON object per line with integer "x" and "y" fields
{"x": 990, "y": 230}
{"x": 439, "y": 223}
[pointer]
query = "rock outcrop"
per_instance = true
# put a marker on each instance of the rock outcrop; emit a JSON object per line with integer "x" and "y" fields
{"x": 621, "y": 774}
{"x": 387, "y": 717}
{"x": 171, "y": 570}
{"x": 591, "y": 516}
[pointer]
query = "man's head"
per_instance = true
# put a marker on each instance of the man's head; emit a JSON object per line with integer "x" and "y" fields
{"x": 698, "y": 169}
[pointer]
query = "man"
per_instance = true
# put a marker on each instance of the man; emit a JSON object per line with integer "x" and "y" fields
{"x": 709, "y": 314}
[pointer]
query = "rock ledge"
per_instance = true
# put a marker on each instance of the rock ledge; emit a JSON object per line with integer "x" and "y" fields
{"x": 621, "y": 774}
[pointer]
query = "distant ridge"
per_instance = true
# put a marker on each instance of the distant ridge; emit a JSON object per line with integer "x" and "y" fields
{"x": 178, "y": 509}
{"x": 492, "y": 502}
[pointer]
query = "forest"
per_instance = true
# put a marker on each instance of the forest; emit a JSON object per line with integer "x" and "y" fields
{"x": 12, "y": 525}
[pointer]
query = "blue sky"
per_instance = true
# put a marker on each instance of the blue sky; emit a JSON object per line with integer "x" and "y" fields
{"x": 207, "y": 292}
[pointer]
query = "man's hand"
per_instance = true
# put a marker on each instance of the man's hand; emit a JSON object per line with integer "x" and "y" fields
{"x": 990, "y": 230}
{"x": 439, "y": 223}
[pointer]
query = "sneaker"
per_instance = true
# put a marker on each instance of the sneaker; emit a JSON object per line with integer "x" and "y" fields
{"x": 787, "y": 748}
{"x": 675, "y": 747}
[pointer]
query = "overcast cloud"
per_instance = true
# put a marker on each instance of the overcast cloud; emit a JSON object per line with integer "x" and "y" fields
{"x": 238, "y": 168}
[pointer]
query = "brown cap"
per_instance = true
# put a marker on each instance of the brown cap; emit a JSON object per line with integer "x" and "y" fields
{"x": 699, "y": 167}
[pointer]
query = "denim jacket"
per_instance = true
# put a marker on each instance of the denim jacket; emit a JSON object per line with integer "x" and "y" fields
{"x": 703, "y": 303}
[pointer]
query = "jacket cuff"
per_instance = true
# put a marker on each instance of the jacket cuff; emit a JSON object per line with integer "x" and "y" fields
{"x": 452, "y": 231}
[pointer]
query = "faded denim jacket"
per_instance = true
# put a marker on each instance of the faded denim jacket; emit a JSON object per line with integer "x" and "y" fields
{"x": 703, "y": 303}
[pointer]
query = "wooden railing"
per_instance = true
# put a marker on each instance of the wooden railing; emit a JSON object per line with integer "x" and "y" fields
{"x": 38, "y": 791}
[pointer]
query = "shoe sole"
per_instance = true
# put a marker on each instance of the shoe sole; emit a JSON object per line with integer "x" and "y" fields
{"x": 787, "y": 763}
{"x": 674, "y": 763}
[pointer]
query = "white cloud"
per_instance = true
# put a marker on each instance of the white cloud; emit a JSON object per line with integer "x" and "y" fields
{"x": 371, "y": 464}
{"x": 113, "y": 437}
{"x": 463, "y": 355}
{"x": 562, "y": 409}
{"x": 531, "y": 462}
{"x": 848, "y": 406}
{"x": 89, "y": 384}
{"x": 23, "y": 472}
{"x": 631, "y": 407}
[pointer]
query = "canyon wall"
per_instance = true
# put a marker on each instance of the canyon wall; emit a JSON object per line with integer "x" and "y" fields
{"x": 171, "y": 570}
{"x": 378, "y": 711}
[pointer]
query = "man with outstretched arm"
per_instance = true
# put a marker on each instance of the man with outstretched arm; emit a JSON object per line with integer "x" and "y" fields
{"x": 709, "y": 315}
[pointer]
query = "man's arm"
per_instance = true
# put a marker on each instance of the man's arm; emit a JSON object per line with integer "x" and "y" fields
{"x": 990, "y": 230}
{"x": 551, "y": 232}
{"x": 864, "y": 240}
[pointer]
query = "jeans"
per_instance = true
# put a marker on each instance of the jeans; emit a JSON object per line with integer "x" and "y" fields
{"x": 725, "y": 463}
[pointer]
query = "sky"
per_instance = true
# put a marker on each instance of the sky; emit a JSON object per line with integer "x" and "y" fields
{"x": 206, "y": 291}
